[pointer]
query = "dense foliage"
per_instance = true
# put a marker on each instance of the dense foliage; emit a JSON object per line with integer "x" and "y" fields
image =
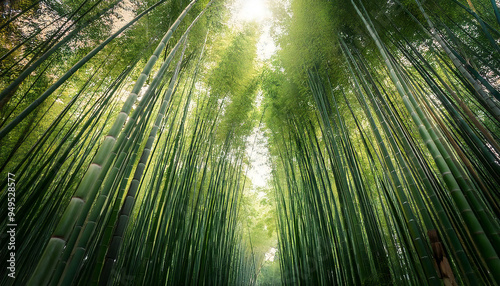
{"x": 128, "y": 132}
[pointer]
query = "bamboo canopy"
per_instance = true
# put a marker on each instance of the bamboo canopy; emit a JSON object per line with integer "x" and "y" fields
{"x": 264, "y": 142}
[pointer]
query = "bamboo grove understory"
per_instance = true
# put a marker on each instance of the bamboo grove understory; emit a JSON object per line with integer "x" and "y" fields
{"x": 128, "y": 130}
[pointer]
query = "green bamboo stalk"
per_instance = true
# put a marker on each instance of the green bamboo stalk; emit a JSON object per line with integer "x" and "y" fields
{"x": 414, "y": 228}
{"x": 128, "y": 204}
{"x": 453, "y": 56}
{"x": 495, "y": 9}
{"x": 81, "y": 198}
{"x": 474, "y": 225}
{"x": 4, "y": 131}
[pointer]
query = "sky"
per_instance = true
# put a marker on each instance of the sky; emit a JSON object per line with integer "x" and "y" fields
{"x": 245, "y": 11}
{"x": 257, "y": 11}
{"x": 260, "y": 171}
{"x": 251, "y": 10}
{"x": 259, "y": 168}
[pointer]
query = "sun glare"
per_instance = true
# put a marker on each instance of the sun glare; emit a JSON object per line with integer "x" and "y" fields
{"x": 252, "y": 10}
{"x": 243, "y": 11}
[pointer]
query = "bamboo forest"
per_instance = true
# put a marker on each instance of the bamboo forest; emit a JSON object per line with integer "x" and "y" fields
{"x": 249, "y": 142}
